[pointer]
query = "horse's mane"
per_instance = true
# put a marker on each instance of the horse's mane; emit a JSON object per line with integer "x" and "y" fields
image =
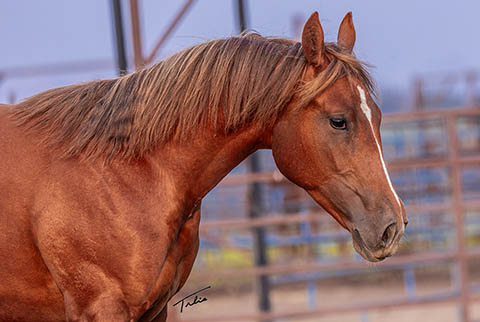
{"x": 224, "y": 83}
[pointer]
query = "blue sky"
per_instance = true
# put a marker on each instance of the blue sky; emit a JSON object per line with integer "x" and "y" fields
{"x": 400, "y": 38}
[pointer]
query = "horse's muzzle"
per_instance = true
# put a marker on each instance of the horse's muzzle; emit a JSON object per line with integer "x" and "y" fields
{"x": 384, "y": 245}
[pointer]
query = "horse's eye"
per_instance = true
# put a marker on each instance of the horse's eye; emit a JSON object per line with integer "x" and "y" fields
{"x": 338, "y": 124}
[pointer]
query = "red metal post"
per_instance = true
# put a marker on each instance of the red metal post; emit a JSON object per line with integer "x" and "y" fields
{"x": 458, "y": 210}
{"x": 169, "y": 30}
{"x": 136, "y": 35}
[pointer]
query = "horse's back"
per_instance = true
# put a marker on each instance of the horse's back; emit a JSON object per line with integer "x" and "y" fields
{"x": 26, "y": 286}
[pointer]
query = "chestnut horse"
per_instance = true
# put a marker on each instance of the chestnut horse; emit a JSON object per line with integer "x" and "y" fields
{"x": 101, "y": 182}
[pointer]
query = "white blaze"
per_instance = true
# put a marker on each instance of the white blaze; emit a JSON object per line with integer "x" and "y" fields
{"x": 368, "y": 113}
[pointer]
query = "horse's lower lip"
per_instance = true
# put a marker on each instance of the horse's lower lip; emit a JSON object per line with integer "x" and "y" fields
{"x": 364, "y": 252}
{"x": 360, "y": 247}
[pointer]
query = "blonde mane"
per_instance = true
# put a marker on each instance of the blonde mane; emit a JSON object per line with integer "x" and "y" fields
{"x": 224, "y": 83}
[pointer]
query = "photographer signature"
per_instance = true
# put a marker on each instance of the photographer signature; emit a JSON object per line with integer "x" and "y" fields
{"x": 196, "y": 300}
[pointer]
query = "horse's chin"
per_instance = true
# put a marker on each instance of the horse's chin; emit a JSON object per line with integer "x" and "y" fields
{"x": 365, "y": 253}
{"x": 368, "y": 255}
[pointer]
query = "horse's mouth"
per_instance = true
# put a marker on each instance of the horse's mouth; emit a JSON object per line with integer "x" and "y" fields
{"x": 360, "y": 248}
{"x": 371, "y": 256}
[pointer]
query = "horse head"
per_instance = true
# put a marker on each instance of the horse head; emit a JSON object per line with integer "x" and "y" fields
{"x": 331, "y": 147}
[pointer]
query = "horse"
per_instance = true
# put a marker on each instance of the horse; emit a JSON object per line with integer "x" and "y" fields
{"x": 101, "y": 182}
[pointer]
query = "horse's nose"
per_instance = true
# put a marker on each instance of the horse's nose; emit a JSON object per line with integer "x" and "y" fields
{"x": 385, "y": 245}
{"x": 377, "y": 244}
{"x": 389, "y": 235}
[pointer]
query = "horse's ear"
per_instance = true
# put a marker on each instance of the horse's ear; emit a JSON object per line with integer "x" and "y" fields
{"x": 312, "y": 41}
{"x": 346, "y": 33}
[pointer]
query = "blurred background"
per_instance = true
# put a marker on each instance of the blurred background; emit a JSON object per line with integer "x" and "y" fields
{"x": 267, "y": 251}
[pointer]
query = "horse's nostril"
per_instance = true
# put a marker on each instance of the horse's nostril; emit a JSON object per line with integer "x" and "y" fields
{"x": 389, "y": 234}
{"x": 385, "y": 236}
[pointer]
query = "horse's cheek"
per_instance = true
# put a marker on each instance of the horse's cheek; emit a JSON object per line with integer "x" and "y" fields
{"x": 288, "y": 151}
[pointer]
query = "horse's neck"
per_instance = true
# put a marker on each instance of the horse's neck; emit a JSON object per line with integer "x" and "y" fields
{"x": 200, "y": 164}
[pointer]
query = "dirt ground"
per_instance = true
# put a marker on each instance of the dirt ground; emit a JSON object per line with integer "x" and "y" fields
{"x": 329, "y": 295}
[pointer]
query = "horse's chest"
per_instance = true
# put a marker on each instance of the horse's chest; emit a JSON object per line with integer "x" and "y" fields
{"x": 177, "y": 265}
